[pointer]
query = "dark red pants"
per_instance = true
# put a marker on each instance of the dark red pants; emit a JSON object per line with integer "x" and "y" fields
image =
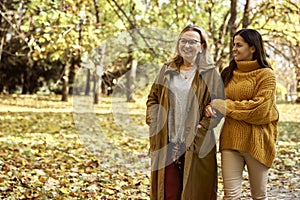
{"x": 174, "y": 179}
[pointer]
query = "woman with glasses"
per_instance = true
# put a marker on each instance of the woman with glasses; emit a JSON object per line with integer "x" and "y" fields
{"x": 249, "y": 133}
{"x": 182, "y": 167}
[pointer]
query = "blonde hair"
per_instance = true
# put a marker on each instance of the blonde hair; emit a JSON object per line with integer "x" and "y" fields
{"x": 203, "y": 59}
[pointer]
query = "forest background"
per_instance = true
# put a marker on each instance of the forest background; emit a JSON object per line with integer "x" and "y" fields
{"x": 74, "y": 77}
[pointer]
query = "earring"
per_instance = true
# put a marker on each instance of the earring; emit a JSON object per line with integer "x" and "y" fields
{"x": 200, "y": 51}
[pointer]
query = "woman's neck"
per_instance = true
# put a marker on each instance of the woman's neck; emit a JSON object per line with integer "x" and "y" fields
{"x": 186, "y": 65}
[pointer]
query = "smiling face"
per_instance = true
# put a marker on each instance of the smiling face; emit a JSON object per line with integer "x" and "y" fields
{"x": 241, "y": 50}
{"x": 189, "y": 45}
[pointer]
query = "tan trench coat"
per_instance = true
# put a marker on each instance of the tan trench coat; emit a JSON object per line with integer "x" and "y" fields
{"x": 200, "y": 175}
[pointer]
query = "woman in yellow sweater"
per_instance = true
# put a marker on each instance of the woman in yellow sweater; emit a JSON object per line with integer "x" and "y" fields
{"x": 249, "y": 133}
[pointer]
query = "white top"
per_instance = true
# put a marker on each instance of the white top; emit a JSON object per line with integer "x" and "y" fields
{"x": 179, "y": 90}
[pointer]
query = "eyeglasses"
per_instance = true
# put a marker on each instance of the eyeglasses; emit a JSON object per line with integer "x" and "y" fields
{"x": 183, "y": 41}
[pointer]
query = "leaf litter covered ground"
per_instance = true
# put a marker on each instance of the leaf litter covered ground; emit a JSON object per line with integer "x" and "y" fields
{"x": 55, "y": 150}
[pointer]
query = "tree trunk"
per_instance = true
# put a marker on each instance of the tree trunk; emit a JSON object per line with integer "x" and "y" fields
{"x": 25, "y": 78}
{"x": 298, "y": 80}
{"x": 96, "y": 89}
{"x": 71, "y": 78}
{"x": 246, "y": 14}
{"x": 28, "y": 68}
{"x": 130, "y": 77}
{"x": 298, "y": 85}
{"x": 232, "y": 26}
{"x": 65, "y": 83}
{"x": 88, "y": 84}
{"x": 98, "y": 73}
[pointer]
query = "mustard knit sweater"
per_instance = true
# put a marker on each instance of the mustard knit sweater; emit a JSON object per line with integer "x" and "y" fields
{"x": 251, "y": 114}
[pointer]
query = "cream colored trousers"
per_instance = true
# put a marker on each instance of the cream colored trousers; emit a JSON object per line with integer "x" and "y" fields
{"x": 233, "y": 163}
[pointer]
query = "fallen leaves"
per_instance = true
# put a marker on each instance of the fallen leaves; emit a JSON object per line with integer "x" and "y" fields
{"x": 44, "y": 155}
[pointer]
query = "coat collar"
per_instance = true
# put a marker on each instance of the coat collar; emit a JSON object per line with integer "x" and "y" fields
{"x": 247, "y": 66}
{"x": 201, "y": 69}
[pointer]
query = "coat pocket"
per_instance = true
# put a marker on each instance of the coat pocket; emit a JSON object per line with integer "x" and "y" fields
{"x": 152, "y": 136}
{"x": 199, "y": 138}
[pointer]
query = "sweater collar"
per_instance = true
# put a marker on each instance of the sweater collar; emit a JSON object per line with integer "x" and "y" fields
{"x": 247, "y": 66}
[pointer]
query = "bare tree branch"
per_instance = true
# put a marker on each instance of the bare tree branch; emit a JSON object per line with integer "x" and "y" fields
{"x": 132, "y": 25}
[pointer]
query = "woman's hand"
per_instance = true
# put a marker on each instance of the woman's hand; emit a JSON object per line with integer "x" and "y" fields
{"x": 212, "y": 108}
{"x": 210, "y": 111}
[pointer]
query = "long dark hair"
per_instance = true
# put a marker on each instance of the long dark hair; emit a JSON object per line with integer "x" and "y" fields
{"x": 252, "y": 38}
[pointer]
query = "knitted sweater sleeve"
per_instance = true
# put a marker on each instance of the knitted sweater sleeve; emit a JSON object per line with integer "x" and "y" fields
{"x": 260, "y": 109}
